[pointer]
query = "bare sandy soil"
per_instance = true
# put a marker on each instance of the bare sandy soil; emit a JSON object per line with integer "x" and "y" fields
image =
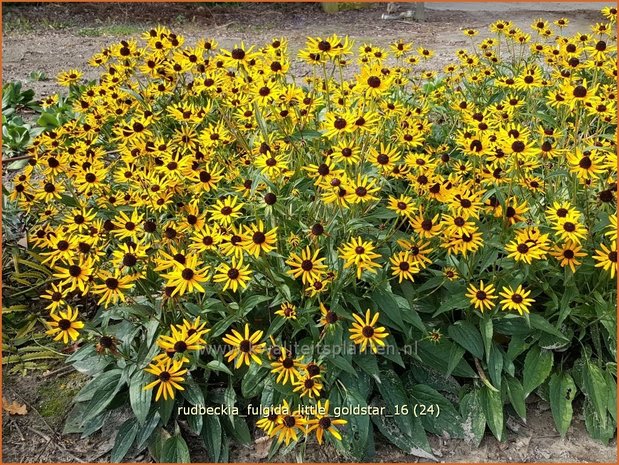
{"x": 54, "y": 37}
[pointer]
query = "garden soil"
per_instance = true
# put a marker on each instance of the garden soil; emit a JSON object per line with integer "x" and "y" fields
{"x": 50, "y": 38}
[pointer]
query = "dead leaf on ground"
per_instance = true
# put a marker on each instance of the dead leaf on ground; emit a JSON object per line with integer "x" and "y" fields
{"x": 14, "y": 408}
{"x": 263, "y": 444}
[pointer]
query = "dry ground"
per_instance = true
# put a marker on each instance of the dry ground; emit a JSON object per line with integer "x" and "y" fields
{"x": 53, "y": 37}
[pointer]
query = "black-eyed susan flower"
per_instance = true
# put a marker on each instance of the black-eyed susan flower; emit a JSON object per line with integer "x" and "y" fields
{"x": 402, "y": 205}
{"x": 403, "y": 266}
{"x": 64, "y": 325}
{"x": 482, "y": 297}
{"x": 187, "y": 275}
{"x": 287, "y": 311}
{"x": 112, "y": 287}
{"x": 76, "y": 274}
{"x": 180, "y": 342}
{"x": 606, "y": 258}
{"x": 287, "y": 368}
{"x": 426, "y": 226}
{"x": 517, "y": 299}
{"x": 233, "y": 275}
{"x": 291, "y": 425}
{"x": 569, "y": 255}
{"x": 245, "y": 347}
{"x": 366, "y": 334}
{"x": 328, "y": 318}
{"x": 308, "y": 385}
{"x": 226, "y": 211}
{"x": 307, "y": 265}
{"x": 56, "y": 295}
{"x": 169, "y": 375}
{"x": 323, "y": 423}
{"x": 361, "y": 254}
{"x": 269, "y": 422}
{"x": 67, "y": 78}
{"x": 258, "y": 240}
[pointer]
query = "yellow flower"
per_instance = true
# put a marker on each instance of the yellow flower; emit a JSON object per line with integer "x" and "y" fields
{"x": 324, "y": 423}
{"x": 361, "y": 254}
{"x": 258, "y": 240}
{"x": 187, "y": 276}
{"x": 64, "y": 325}
{"x": 169, "y": 374}
{"x": 403, "y": 267}
{"x": 245, "y": 348}
{"x": 518, "y": 299}
{"x": 289, "y": 426}
{"x": 365, "y": 332}
{"x": 307, "y": 265}
{"x": 66, "y": 78}
{"x": 288, "y": 311}
{"x": 607, "y": 258}
{"x": 482, "y": 297}
{"x": 234, "y": 275}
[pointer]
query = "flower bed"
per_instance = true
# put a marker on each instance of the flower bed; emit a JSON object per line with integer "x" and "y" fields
{"x": 402, "y": 251}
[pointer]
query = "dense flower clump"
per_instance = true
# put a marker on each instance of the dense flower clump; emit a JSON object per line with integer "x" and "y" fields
{"x": 234, "y": 204}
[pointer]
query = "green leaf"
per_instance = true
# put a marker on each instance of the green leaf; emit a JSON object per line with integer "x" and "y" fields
{"x": 473, "y": 418}
{"x": 596, "y": 390}
{"x": 355, "y": 436}
{"x": 192, "y": 392}
{"x": 369, "y": 364}
{"x": 495, "y": 366}
{"x": 456, "y": 301}
{"x": 438, "y": 355}
{"x": 456, "y": 353}
{"x": 146, "y": 430}
{"x": 212, "y": 437}
{"x": 492, "y": 406}
{"x": 107, "y": 389}
{"x": 468, "y": 336}
{"x": 389, "y": 427}
{"x": 175, "y": 450}
{"x": 537, "y": 366}
{"x": 253, "y": 381}
{"x": 340, "y": 362}
{"x": 392, "y": 391}
{"x": 612, "y": 395}
{"x": 124, "y": 440}
{"x": 166, "y": 408}
{"x": 48, "y": 120}
{"x": 446, "y": 418}
{"x": 487, "y": 331}
{"x": 88, "y": 391}
{"x": 515, "y": 393}
{"x": 389, "y": 308}
{"x": 418, "y": 373}
{"x": 217, "y": 365}
{"x": 594, "y": 424}
{"x": 562, "y": 391}
{"x": 539, "y": 322}
{"x": 139, "y": 398}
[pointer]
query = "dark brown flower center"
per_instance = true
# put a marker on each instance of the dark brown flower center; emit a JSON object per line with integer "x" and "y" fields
{"x": 75, "y": 271}
{"x": 245, "y": 346}
{"x": 367, "y": 331}
{"x": 180, "y": 346}
{"x": 187, "y": 274}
